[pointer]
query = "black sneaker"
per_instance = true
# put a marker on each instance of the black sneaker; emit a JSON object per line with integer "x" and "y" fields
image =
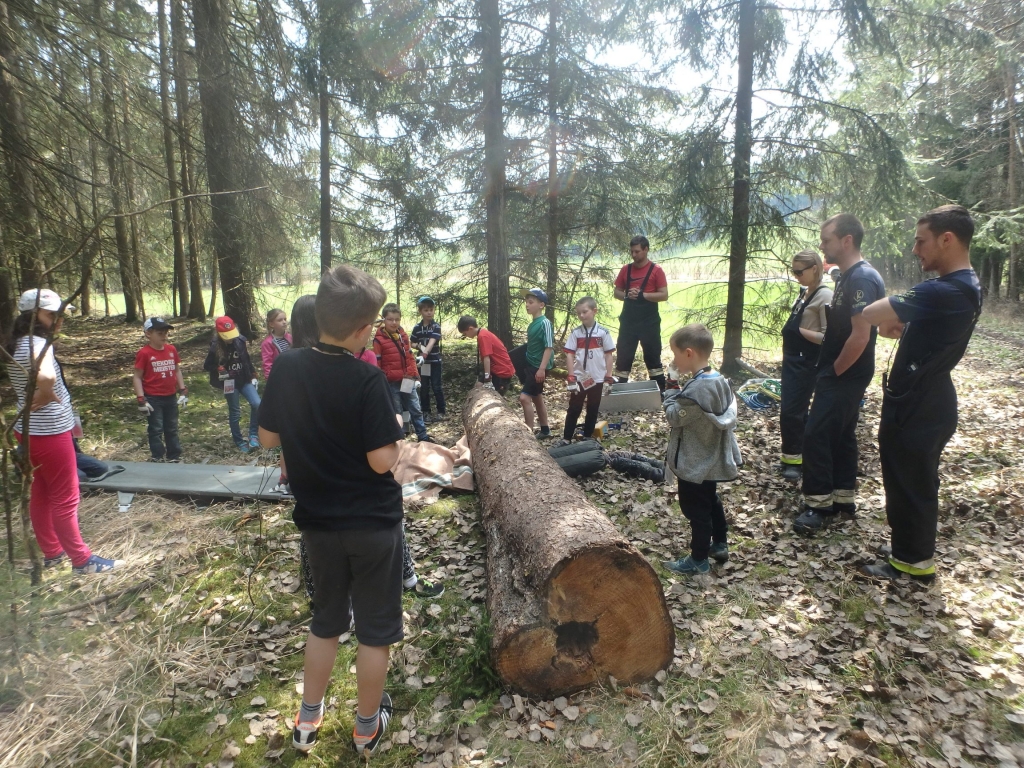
{"x": 155, "y": 460}
{"x": 719, "y": 552}
{"x": 427, "y": 439}
{"x": 365, "y": 746}
{"x": 812, "y": 521}
{"x": 56, "y": 560}
{"x": 304, "y": 734}
{"x": 884, "y": 571}
{"x": 544, "y": 434}
{"x": 424, "y": 588}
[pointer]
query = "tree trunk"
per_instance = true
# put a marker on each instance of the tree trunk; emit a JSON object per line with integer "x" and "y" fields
{"x": 323, "y": 97}
{"x": 94, "y": 169}
{"x": 499, "y": 315}
{"x": 23, "y": 233}
{"x": 214, "y": 280}
{"x": 177, "y": 235}
{"x": 179, "y": 44}
{"x": 225, "y": 157}
{"x": 732, "y": 347}
{"x": 552, "y": 271}
{"x": 571, "y": 600}
{"x": 114, "y": 180}
{"x": 129, "y": 182}
{"x": 1013, "y": 280}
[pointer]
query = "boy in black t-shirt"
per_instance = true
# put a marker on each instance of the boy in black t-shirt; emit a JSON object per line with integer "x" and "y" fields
{"x": 333, "y": 416}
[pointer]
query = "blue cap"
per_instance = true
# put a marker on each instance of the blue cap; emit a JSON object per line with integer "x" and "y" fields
{"x": 536, "y": 293}
{"x": 424, "y": 300}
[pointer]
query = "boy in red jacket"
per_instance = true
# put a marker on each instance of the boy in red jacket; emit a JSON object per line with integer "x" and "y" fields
{"x": 395, "y": 358}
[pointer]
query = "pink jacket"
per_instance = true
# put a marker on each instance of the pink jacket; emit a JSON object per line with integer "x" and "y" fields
{"x": 367, "y": 356}
{"x": 269, "y": 352}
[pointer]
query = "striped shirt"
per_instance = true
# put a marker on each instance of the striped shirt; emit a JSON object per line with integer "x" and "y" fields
{"x": 584, "y": 352}
{"x": 53, "y": 418}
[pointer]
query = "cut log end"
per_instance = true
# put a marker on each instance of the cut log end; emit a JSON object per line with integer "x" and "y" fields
{"x": 600, "y": 622}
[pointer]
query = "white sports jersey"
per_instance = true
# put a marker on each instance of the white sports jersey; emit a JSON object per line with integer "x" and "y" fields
{"x": 584, "y": 353}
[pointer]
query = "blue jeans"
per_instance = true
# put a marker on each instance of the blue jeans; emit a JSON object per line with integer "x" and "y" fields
{"x": 248, "y": 391}
{"x": 432, "y": 382}
{"x": 408, "y": 401}
{"x": 163, "y": 424}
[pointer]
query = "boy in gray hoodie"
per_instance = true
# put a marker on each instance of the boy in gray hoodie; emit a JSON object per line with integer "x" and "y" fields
{"x": 702, "y": 447}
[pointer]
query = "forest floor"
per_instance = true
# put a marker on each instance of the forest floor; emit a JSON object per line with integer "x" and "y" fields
{"x": 783, "y": 656}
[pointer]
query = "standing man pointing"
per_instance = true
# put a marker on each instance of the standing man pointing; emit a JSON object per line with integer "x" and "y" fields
{"x": 934, "y": 321}
{"x": 640, "y": 286}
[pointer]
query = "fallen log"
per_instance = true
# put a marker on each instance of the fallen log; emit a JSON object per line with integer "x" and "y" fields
{"x": 571, "y": 600}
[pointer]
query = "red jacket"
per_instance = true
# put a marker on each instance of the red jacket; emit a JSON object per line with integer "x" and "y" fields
{"x": 395, "y": 358}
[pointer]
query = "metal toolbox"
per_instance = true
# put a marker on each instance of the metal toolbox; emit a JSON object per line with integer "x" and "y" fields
{"x": 632, "y": 396}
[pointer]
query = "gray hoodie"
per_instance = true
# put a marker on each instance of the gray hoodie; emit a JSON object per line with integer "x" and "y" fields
{"x": 702, "y": 443}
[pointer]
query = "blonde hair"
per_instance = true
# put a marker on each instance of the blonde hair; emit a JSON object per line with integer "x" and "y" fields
{"x": 810, "y": 258}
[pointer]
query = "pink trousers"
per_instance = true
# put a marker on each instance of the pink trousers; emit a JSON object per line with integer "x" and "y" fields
{"x": 54, "y": 502}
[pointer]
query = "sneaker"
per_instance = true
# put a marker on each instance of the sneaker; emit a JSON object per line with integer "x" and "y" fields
{"x": 687, "y": 566}
{"x": 427, "y": 418}
{"x": 304, "y": 734}
{"x": 365, "y": 746}
{"x": 424, "y": 588}
{"x": 885, "y": 571}
{"x": 176, "y": 460}
{"x": 96, "y": 564}
{"x": 441, "y": 417}
{"x": 544, "y": 435}
{"x": 427, "y": 439}
{"x": 791, "y": 472}
{"x": 812, "y": 521}
{"x": 155, "y": 460}
{"x": 719, "y": 552}
{"x": 561, "y": 443}
{"x": 56, "y": 560}
{"x": 285, "y": 488}
{"x": 243, "y": 447}
{"x": 254, "y": 442}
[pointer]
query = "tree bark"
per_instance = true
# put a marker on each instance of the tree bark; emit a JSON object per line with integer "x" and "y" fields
{"x": 179, "y": 44}
{"x": 177, "y": 235}
{"x": 225, "y": 157}
{"x": 129, "y": 181}
{"x": 323, "y": 97}
{"x": 114, "y": 178}
{"x": 732, "y": 347}
{"x": 1013, "y": 287}
{"x": 23, "y": 229}
{"x": 571, "y": 600}
{"x": 499, "y": 315}
{"x": 552, "y": 271}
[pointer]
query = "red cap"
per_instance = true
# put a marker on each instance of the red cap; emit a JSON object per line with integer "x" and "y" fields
{"x": 226, "y": 328}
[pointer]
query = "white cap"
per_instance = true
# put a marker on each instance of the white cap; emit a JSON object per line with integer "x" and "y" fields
{"x": 47, "y": 299}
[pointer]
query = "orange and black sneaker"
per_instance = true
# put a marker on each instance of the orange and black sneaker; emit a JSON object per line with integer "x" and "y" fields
{"x": 304, "y": 733}
{"x": 365, "y": 745}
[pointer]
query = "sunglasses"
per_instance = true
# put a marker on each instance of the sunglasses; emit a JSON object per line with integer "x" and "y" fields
{"x": 799, "y": 272}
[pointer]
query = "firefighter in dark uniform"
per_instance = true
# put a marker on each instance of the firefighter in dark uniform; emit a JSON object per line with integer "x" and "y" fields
{"x": 801, "y": 346}
{"x": 640, "y": 286}
{"x": 845, "y": 368}
{"x": 934, "y": 322}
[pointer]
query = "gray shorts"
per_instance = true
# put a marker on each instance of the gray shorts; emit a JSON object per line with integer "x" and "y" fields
{"x": 366, "y": 567}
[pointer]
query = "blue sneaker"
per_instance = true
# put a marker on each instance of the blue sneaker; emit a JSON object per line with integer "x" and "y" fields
{"x": 97, "y": 564}
{"x": 719, "y": 552}
{"x": 688, "y": 566}
{"x": 254, "y": 442}
{"x": 243, "y": 447}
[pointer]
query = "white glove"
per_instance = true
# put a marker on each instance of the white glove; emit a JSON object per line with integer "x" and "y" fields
{"x": 255, "y": 382}
{"x": 419, "y": 360}
{"x": 182, "y": 401}
{"x": 145, "y": 408}
{"x": 418, "y": 384}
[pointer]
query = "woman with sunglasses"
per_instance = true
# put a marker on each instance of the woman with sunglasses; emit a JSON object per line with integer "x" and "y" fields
{"x": 801, "y": 342}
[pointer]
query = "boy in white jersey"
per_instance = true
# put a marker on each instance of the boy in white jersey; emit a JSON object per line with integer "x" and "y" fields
{"x": 588, "y": 356}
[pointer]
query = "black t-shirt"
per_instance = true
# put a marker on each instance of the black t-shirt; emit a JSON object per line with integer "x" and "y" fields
{"x": 937, "y": 314}
{"x": 331, "y": 410}
{"x": 859, "y": 286}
